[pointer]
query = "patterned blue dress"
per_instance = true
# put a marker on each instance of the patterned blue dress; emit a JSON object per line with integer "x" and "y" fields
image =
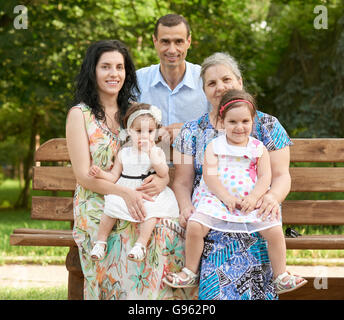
{"x": 234, "y": 266}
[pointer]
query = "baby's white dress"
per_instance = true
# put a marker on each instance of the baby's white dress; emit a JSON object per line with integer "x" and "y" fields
{"x": 136, "y": 167}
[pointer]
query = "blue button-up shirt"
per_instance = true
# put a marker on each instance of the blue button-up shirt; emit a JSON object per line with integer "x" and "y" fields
{"x": 186, "y": 102}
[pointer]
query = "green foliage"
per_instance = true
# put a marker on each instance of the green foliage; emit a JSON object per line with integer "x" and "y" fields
{"x": 295, "y": 70}
{"x": 306, "y": 89}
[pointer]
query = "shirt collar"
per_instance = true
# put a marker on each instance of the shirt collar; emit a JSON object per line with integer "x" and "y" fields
{"x": 188, "y": 79}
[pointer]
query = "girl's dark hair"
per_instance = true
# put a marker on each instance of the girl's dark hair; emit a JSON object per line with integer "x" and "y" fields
{"x": 232, "y": 95}
{"x": 86, "y": 84}
{"x": 135, "y": 107}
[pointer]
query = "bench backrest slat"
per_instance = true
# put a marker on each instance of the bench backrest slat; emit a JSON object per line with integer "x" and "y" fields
{"x": 52, "y": 208}
{"x": 303, "y": 150}
{"x": 317, "y": 179}
{"x": 304, "y": 179}
{"x": 53, "y": 150}
{"x": 53, "y": 178}
{"x": 324, "y": 212}
{"x": 317, "y": 150}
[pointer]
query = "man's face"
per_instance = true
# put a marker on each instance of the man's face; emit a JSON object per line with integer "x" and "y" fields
{"x": 172, "y": 44}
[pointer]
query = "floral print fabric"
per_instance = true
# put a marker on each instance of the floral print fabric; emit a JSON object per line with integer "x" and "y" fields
{"x": 115, "y": 277}
{"x": 234, "y": 266}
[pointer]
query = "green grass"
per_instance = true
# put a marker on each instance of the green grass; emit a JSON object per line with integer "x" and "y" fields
{"x": 50, "y": 293}
{"x": 9, "y": 191}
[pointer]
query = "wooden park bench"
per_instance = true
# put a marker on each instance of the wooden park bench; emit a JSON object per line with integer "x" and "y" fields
{"x": 295, "y": 212}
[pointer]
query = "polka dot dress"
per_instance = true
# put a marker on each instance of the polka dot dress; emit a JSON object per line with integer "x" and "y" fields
{"x": 237, "y": 171}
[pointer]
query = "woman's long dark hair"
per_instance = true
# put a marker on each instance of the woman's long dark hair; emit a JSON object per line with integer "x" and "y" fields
{"x": 86, "y": 84}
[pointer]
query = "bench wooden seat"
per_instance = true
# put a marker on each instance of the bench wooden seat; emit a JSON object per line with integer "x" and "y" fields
{"x": 39, "y": 237}
{"x": 63, "y": 238}
{"x": 60, "y": 177}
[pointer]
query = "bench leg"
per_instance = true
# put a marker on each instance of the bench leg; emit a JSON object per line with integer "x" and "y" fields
{"x": 75, "y": 277}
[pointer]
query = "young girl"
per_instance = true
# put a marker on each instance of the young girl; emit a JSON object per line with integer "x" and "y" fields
{"x": 236, "y": 174}
{"x": 132, "y": 165}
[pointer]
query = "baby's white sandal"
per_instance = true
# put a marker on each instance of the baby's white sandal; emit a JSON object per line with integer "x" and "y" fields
{"x": 137, "y": 253}
{"x": 99, "y": 250}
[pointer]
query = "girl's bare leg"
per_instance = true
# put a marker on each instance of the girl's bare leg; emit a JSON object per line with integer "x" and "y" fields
{"x": 105, "y": 227}
{"x": 276, "y": 249}
{"x": 194, "y": 244}
{"x": 146, "y": 229}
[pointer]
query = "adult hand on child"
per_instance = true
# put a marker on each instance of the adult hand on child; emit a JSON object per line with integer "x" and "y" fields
{"x": 268, "y": 207}
{"x": 152, "y": 185}
{"x": 166, "y": 135}
{"x": 185, "y": 214}
{"x": 134, "y": 201}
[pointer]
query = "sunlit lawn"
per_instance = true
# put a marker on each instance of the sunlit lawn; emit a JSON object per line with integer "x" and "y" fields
{"x": 50, "y": 293}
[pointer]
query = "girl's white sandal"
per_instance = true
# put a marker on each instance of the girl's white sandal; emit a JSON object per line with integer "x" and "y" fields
{"x": 137, "y": 253}
{"x": 99, "y": 250}
{"x": 289, "y": 284}
{"x": 178, "y": 282}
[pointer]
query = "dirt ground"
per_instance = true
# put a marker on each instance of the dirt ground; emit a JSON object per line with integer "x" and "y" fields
{"x": 24, "y": 276}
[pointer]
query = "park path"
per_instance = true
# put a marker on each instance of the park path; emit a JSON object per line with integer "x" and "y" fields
{"x": 25, "y": 276}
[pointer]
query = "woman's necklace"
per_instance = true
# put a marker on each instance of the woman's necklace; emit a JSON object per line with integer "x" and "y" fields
{"x": 112, "y": 125}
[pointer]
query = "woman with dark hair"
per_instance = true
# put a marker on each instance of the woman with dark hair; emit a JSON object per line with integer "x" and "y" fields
{"x": 104, "y": 89}
{"x": 87, "y": 83}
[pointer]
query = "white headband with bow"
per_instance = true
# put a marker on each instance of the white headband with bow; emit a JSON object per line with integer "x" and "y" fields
{"x": 153, "y": 111}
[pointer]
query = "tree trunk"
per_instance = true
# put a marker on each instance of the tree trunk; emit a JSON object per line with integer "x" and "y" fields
{"x": 23, "y": 199}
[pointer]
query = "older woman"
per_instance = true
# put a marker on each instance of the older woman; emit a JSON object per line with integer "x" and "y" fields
{"x": 105, "y": 86}
{"x": 234, "y": 265}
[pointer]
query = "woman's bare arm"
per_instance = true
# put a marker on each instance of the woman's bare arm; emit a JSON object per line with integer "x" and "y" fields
{"x": 78, "y": 148}
{"x": 280, "y": 183}
{"x": 182, "y": 184}
{"x": 112, "y": 175}
{"x": 262, "y": 185}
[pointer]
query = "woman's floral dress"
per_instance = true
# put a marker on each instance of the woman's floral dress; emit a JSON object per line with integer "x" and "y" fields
{"x": 115, "y": 277}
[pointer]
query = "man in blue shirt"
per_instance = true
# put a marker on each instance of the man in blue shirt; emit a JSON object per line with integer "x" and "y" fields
{"x": 174, "y": 85}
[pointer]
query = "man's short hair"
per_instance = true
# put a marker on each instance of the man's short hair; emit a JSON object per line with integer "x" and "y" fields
{"x": 172, "y": 20}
